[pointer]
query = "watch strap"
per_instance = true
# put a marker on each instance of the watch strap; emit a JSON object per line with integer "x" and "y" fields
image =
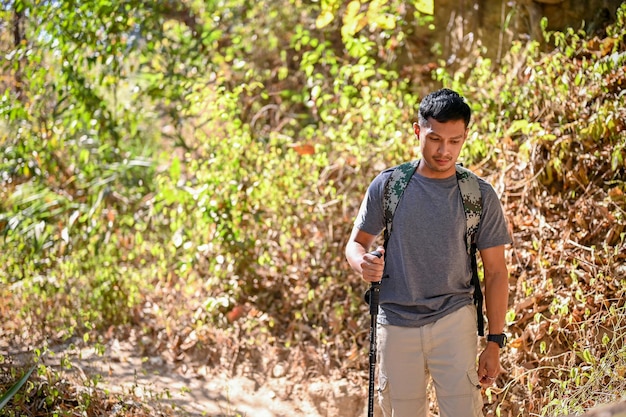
{"x": 500, "y": 339}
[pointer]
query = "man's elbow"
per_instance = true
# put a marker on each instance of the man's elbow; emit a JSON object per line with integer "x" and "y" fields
{"x": 351, "y": 252}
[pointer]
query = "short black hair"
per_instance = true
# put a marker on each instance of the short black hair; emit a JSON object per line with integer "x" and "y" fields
{"x": 444, "y": 105}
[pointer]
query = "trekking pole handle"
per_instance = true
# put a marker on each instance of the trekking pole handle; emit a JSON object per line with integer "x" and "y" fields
{"x": 374, "y": 291}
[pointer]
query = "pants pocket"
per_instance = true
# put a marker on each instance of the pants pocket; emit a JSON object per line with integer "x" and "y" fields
{"x": 384, "y": 400}
{"x": 476, "y": 395}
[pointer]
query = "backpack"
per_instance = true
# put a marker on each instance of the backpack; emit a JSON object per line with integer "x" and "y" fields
{"x": 472, "y": 205}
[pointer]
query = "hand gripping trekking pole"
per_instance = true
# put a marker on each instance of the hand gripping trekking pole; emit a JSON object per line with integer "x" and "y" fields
{"x": 372, "y": 297}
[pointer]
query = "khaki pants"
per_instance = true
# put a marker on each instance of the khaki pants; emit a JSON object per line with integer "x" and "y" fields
{"x": 446, "y": 350}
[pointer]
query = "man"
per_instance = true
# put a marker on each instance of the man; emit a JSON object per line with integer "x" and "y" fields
{"x": 427, "y": 319}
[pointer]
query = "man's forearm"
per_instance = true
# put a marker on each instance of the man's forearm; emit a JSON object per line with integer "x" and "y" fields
{"x": 496, "y": 300}
{"x": 354, "y": 255}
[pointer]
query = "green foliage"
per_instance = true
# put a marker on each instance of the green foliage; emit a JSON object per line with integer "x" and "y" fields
{"x": 580, "y": 114}
{"x": 76, "y": 165}
{"x": 82, "y": 190}
{"x": 15, "y": 388}
{"x": 599, "y": 375}
{"x": 195, "y": 167}
{"x": 570, "y": 137}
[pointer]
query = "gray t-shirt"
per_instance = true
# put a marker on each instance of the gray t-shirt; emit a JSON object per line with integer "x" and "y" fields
{"x": 427, "y": 268}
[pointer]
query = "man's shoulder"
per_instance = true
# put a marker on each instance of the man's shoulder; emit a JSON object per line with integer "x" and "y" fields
{"x": 483, "y": 183}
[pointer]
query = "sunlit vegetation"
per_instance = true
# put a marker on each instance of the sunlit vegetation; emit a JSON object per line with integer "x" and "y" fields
{"x": 189, "y": 171}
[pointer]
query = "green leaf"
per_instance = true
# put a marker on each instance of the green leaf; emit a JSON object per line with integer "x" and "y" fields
{"x": 425, "y": 6}
{"x": 588, "y": 357}
{"x": 324, "y": 19}
{"x": 386, "y": 21}
{"x": 15, "y": 388}
{"x": 175, "y": 169}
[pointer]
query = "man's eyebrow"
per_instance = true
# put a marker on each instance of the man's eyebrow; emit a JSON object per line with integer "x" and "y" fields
{"x": 439, "y": 136}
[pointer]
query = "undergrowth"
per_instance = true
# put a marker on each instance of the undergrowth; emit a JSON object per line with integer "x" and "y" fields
{"x": 225, "y": 210}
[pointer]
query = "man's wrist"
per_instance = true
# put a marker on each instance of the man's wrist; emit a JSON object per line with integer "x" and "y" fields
{"x": 492, "y": 346}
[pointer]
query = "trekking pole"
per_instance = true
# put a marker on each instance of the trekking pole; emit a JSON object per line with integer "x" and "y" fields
{"x": 372, "y": 297}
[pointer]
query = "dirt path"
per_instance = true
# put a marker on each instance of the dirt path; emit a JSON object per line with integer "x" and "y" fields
{"x": 203, "y": 392}
{"x": 196, "y": 390}
{"x": 200, "y": 392}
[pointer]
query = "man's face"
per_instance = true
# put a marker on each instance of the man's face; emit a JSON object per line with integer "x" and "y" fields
{"x": 440, "y": 145}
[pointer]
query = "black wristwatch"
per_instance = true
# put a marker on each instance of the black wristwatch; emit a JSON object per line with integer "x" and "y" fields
{"x": 500, "y": 339}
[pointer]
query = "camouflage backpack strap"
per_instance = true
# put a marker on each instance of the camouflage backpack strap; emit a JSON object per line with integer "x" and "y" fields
{"x": 472, "y": 205}
{"x": 394, "y": 188}
{"x": 472, "y": 202}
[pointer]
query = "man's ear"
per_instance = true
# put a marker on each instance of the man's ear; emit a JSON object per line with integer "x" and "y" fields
{"x": 416, "y": 129}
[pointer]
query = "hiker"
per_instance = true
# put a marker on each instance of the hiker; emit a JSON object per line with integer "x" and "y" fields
{"x": 427, "y": 320}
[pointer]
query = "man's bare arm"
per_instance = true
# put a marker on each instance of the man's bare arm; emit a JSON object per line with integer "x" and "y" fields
{"x": 496, "y": 301}
{"x": 496, "y": 287}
